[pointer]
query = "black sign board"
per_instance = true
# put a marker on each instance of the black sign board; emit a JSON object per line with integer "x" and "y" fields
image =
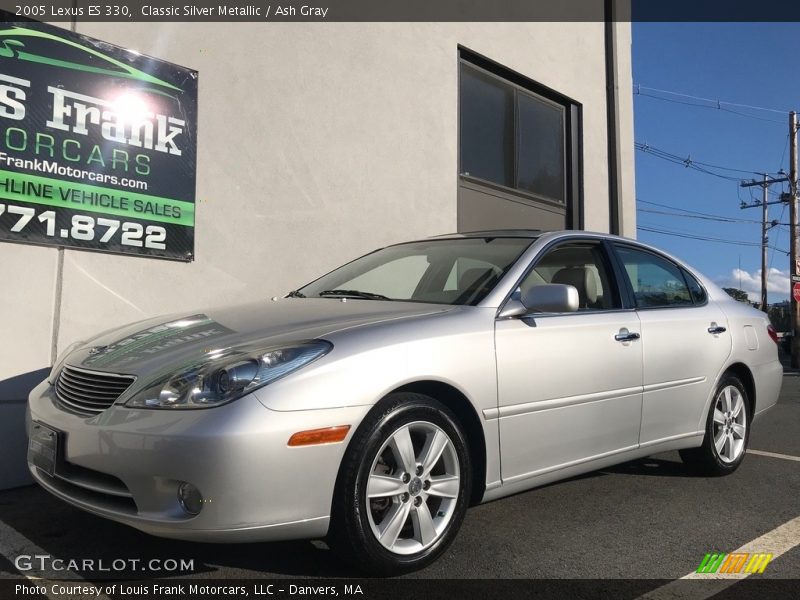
{"x": 98, "y": 145}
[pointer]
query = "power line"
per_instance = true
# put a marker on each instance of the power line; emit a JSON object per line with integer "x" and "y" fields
{"x": 714, "y": 100}
{"x": 704, "y": 238}
{"x": 783, "y": 209}
{"x": 693, "y": 214}
{"x": 727, "y": 110}
{"x": 697, "y": 236}
{"x": 690, "y": 163}
{"x": 783, "y": 154}
{"x": 705, "y": 164}
{"x": 701, "y": 233}
{"x": 777, "y": 235}
{"x": 686, "y": 210}
{"x": 720, "y": 218}
{"x": 775, "y": 193}
{"x": 713, "y": 103}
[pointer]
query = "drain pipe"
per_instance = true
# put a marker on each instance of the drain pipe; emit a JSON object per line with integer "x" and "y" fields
{"x": 612, "y": 118}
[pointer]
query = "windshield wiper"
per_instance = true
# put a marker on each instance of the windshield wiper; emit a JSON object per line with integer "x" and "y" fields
{"x": 353, "y": 294}
{"x": 295, "y": 294}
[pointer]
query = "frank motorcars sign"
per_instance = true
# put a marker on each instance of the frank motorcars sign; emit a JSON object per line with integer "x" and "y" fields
{"x": 98, "y": 145}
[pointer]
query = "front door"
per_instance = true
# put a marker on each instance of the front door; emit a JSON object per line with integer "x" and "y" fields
{"x": 569, "y": 385}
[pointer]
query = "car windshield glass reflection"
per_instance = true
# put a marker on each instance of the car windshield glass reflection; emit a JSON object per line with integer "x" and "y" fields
{"x": 449, "y": 271}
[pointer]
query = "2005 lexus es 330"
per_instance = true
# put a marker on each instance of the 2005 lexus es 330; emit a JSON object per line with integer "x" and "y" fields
{"x": 376, "y": 403}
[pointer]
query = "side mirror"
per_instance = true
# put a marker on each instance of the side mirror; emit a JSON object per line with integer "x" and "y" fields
{"x": 550, "y": 298}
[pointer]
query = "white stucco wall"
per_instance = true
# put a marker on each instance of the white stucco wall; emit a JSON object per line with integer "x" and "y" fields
{"x": 627, "y": 176}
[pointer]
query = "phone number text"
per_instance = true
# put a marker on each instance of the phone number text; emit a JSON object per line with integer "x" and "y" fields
{"x": 86, "y": 228}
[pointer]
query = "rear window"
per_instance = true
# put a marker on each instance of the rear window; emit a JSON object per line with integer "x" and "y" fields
{"x": 696, "y": 289}
{"x": 656, "y": 282}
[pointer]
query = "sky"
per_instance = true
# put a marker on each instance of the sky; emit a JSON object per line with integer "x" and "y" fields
{"x": 738, "y": 64}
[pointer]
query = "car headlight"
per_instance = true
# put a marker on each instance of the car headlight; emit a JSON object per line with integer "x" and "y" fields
{"x": 51, "y": 378}
{"x": 220, "y": 378}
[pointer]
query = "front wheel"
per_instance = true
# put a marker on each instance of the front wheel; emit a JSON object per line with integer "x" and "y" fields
{"x": 727, "y": 431}
{"x": 403, "y": 487}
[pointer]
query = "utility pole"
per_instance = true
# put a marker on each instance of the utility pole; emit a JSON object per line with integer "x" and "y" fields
{"x": 764, "y": 242}
{"x": 795, "y": 318}
{"x": 764, "y": 204}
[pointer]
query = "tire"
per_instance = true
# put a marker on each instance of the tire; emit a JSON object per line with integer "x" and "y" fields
{"x": 416, "y": 506}
{"x": 727, "y": 431}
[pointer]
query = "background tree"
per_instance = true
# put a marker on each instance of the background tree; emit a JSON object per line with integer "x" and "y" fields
{"x": 739, "y": 295}
{"x": 779, "y": 317}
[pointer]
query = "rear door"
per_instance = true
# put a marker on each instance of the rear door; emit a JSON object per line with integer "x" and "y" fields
{"x": 684, "y": 339}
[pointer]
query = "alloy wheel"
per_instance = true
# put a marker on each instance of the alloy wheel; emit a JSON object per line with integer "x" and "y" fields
{"x": 730, "y": 424}
{"x": 413, "y": 487}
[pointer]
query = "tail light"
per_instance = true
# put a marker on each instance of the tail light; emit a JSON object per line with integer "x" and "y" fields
{"x": 772, "y": 333}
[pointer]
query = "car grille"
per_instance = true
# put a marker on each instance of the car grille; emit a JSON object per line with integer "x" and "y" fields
{"x": 90, "y": 392}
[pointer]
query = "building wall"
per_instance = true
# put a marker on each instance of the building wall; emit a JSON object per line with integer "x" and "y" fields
{"x": 624, "y": 83}
{"x": 317, "y": 143}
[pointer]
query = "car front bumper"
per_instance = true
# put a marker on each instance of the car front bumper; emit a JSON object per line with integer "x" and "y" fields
{"x": 127, "y": 464}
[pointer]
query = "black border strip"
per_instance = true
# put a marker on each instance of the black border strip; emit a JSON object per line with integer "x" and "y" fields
{"x": 422, "y": 11}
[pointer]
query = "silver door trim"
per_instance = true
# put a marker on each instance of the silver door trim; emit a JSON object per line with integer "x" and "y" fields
{"x": 566, "y": 465}
{"x": 531, "y": 407}
{"x": 654, "y": 387}
{"x": 671, "y": 438}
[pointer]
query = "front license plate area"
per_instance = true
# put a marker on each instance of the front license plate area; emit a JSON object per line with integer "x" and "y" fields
{"x": 43, "y": 447}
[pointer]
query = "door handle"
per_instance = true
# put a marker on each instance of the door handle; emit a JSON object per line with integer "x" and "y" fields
{"x": 627, "y": 336}
{"x": 715, "y": 329}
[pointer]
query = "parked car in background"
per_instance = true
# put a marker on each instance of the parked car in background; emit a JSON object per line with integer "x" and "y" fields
{"x": 786, "y": 343}
{"x": 375, "y": 404}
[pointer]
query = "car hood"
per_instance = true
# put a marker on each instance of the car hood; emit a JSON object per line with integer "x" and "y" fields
{"x": 156, "y": 345}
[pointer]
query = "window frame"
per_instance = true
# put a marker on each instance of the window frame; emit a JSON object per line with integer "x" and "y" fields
{"x": 572, "y": 136}
{"x": 688, "y": 274}
{"x": 610, "y": 263}
{"x": 629, "y": 298}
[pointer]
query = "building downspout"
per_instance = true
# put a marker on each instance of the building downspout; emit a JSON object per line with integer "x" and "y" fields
{"x": 612, "y": 119}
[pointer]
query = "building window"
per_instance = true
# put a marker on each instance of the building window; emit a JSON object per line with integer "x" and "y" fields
{"x": 487, "y": 127}
{"x": 540, "y": 147}
{"x": 518, "y": 139}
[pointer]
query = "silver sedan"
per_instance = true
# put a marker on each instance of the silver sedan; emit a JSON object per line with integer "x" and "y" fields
{"x": 375, "y": 404}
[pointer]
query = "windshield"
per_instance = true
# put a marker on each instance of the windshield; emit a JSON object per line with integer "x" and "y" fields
{"x": 448, "y": 271}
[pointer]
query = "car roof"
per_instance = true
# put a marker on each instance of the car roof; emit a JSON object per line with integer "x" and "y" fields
{"x": 538, "y": 237}
{"x": 517, "y": 233}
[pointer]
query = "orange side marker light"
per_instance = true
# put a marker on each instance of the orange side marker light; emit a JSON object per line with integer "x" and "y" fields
{"x": 324, "y": 435}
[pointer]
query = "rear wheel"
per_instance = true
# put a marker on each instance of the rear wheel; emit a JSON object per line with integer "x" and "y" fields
{"x": 403, "y": 487}
{"x": 727, "y": 431}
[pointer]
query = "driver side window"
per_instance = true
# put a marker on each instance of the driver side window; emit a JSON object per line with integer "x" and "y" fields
{"x": 580, "y": 265}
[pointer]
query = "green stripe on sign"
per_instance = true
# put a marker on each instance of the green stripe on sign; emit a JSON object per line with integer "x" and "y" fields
{"x": 93, "y": 198}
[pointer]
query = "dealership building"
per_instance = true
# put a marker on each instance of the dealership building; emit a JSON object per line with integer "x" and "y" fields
{"x": 311, "y": 144}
